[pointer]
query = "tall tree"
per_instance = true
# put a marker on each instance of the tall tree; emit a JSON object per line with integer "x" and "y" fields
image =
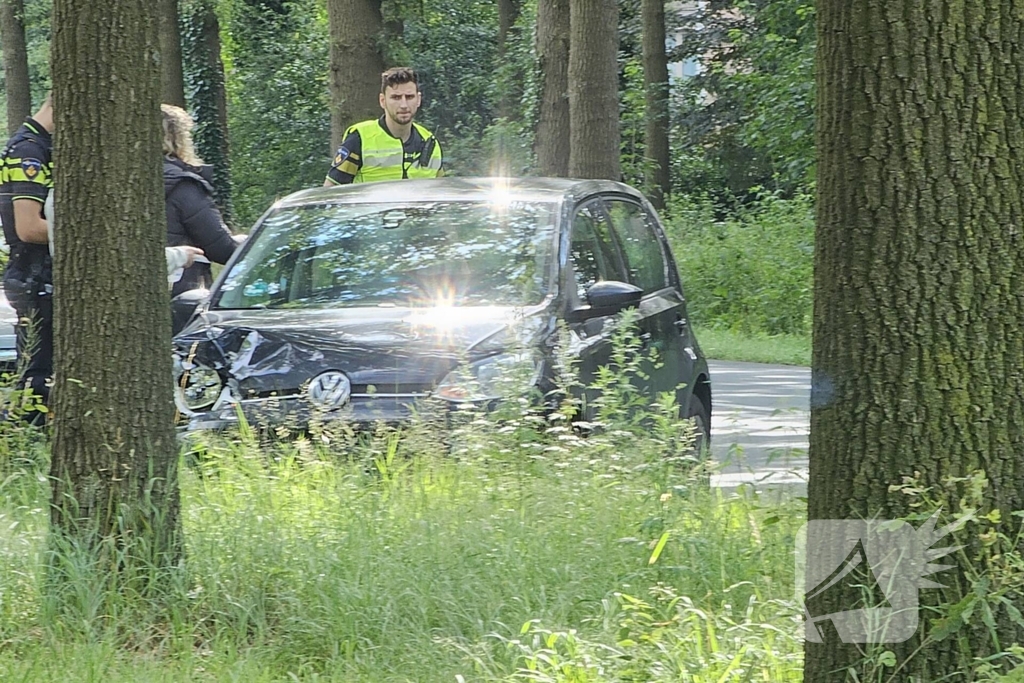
{"x": 656, "y": 143}
{"x": 171, "y": 76}
{"x": 356, "y": 27}
{"x": 552, "y": 138}
{"x": 207, "y": 95}
{"x": 114, "y": 463}
{"x": 594, "y": 136}
{"x": 917, "y": 301}
{"x": 16, "y": 84}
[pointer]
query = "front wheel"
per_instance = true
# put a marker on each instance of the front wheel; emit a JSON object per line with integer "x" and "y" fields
{"x": 698, "y": 413}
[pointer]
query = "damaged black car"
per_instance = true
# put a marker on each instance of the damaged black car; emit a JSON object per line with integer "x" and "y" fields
{"x": 376, "y": 302}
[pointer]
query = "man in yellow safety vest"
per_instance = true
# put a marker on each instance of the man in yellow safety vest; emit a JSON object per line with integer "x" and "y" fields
{"x": 391, "y": 147}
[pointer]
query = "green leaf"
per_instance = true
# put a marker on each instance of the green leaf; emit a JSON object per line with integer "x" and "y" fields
{"x": 1012, "y": 611}
{"x": 969, "y": 610}
{"x": 658, "y": 548}
{"x": 954, "y": 618}
{"x": 987, "y": 616}
{"x": 887, "y": 658}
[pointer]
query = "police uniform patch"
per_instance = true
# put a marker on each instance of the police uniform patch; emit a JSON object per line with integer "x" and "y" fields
{"x": 342, "y": 155}
{"x": 31, "y": 167}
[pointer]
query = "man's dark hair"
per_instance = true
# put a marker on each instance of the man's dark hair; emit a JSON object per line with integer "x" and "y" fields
{"x": 397, "y": 76}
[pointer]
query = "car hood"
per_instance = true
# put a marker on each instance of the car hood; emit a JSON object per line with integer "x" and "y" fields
{"x": 389, "y": 349}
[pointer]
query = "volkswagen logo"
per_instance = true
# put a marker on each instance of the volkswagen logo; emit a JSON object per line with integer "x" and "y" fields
{"x": 330, "y": 390}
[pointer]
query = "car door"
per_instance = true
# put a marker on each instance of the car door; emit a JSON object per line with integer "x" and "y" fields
{"x": 663, "y": 308}
{"x": 593, "y": 257}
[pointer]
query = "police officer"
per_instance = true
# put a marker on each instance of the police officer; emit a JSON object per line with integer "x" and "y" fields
{"x": 392, "y": 147}
{"x": 26, "y": 177}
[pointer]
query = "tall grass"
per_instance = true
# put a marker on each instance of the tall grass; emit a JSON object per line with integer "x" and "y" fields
{"x": 751, "y": 272}
{"x": 506, "y": 547}
{"x": 725, "y": 344}
{"x": 351, "y": 560}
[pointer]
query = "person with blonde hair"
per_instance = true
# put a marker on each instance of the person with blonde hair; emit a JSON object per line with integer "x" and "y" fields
{"x": 192, "y": 216}
{"x": 178, "y": 258}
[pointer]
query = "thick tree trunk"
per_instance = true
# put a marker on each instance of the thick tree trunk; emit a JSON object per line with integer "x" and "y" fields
{"x": 171, "y": 77}
{"x": 552, "y": 139}
{"x": 16, "y": 85}
{"x": 207, "y": 95}
{"x": 356, "y": 63}
{"x": 114, "y": 463}
{"x": 594, "y": 89}
{"x": 919, "y": 267}
{"x": 656, "y": 144}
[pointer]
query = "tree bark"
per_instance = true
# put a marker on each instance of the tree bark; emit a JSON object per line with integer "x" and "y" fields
{"x": 207, "y": 96}
{"x": 594, "y": 136}
{"x": 356, "y": 63}
{"x": 16, "y": 83}
{"x": 552, "y": 137}
{"x": 919, "y": 264}
{"x": 172, "y": 79}
{"x": 656, "y": 137}
{"x": 114, "y": 462}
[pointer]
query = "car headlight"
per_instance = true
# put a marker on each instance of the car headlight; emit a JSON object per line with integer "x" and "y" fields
{"x": 500, "y": 376}
{"x": 197, "y": 386}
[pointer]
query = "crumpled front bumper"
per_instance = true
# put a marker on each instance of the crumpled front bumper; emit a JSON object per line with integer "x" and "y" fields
{"x": 297, "y": 412}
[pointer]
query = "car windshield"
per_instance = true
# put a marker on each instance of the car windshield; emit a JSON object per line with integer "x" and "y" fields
{"x": 464, "y": 253}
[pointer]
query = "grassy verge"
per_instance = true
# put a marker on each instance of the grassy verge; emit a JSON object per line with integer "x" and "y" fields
{"x": 524, "y": 556}
{"x": 783, "y": 349}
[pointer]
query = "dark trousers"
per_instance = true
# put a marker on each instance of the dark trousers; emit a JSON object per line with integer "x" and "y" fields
{"x": 34, "y": 335}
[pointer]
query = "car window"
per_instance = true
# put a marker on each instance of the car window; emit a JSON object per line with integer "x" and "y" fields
{"x": 467, "y": 253}
{"x": 645, "y": 259}
{"x": 594, "y": 254}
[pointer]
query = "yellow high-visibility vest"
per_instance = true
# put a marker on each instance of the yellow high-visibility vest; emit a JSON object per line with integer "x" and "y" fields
{"x": 383, "y": 156}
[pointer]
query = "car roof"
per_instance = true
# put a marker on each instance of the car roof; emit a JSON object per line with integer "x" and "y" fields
{"x": 451, "y": 188}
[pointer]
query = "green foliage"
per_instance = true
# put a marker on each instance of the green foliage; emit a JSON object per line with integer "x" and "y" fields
{"x": 632, "y": 124}
{"x": 750, "y": 113}
{"x": 204, "y": 83}
{"x": 354, "y": 562}
{"x": 664, "y": 636}
{"x": 777, "y": 349}
{"x": 981, "y": 592}
{"x": 276, "y": 57}
{"x": 37, "y": 44}
{"x": 509, "y": 141}
{"x": 752, "y": 272}
{"x": 454, "y": 47}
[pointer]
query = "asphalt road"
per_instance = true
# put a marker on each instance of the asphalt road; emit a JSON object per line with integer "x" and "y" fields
{"x": 759, "y": 424}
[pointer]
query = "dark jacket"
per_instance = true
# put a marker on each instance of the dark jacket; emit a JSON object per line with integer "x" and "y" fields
{"x": 193, "y": 219}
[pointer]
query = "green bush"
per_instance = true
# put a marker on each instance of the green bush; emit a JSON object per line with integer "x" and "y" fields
{"x": 753, "y": 272}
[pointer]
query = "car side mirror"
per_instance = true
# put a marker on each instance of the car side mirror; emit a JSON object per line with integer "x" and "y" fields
{"x": 184, "y": 305}
{"x": 607, "y": 298}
